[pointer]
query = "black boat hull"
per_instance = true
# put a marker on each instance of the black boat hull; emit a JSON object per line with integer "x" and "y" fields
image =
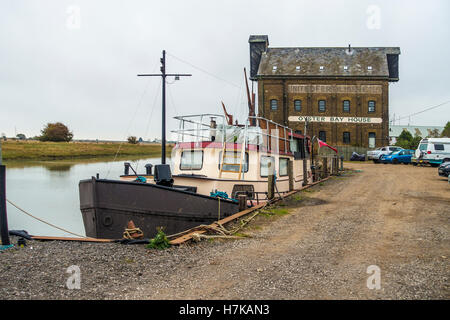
{"x": 108, "y": 205}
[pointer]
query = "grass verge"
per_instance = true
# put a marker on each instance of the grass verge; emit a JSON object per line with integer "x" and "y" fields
{"x": 37, "y": 150}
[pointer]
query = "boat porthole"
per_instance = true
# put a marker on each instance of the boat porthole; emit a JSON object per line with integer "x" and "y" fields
{"x": 107, "y": 220}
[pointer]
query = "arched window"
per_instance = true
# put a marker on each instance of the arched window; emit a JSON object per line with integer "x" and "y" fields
{"x": 323, "y": 136}
{"x": 274, "y": 104}
{"x": 322, "y": 106}
{"x": 298, "y": 105}
{"x": 346, "y": 106}
{"x": 371, "y": 106}
{"x": 346, "y": 138}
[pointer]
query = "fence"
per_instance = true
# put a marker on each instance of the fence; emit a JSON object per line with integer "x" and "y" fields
{"x": 347, "y": 151}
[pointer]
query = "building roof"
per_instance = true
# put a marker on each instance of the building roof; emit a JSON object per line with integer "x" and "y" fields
{"x": 325, "y": 62}
{"x": 423, "y": 131}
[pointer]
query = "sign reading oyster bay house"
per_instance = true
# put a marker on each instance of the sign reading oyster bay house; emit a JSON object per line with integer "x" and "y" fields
{"x": 335, "y": 119}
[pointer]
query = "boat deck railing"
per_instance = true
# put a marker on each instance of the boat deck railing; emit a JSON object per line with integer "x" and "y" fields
{"x": 260, "y": 131}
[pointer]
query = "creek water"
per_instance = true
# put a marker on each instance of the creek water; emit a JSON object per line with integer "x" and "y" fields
{"x": 49, "y": 191}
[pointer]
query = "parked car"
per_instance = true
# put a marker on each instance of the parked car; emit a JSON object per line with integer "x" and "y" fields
{"x": 432, "y": 151}
{"x": 376, "y": 154}
{"x": 444, "y": 169}
{"x": 402, "y": 156}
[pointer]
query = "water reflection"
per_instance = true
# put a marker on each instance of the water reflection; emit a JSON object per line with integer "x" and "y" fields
{"x": 49, "y": 190}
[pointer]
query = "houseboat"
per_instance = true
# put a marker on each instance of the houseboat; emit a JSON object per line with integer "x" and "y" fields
{"x": 213, "y": 162}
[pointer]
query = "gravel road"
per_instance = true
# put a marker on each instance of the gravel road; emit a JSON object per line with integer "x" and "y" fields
{"x": 394, "y": 217}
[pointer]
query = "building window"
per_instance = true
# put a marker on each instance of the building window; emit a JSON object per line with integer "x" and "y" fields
{"x": 323, "y": 136}
{"x": 346, "y": 106}
{"x": 284, "y": 163}
{"x": 371, "y": 106}
{"x": 298, "y": 105}
{"x": 322, "y": 106}
{"x": 267, "y": 164}
{"x": 191, "y": 160}
{"x": 274, "y": 104}
{"x": 371, "y": 139}
{"x": 346, "y": 137}
{"x": 298, "y": 131}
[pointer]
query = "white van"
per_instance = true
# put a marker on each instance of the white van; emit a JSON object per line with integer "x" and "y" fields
{"x": 432, "y": 151}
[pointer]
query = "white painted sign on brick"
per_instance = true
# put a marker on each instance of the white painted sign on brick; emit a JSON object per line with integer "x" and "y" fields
{"x": 335, "y": 119}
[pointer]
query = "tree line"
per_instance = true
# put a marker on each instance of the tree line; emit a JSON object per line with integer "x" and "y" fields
{"x": 407, "y": 141}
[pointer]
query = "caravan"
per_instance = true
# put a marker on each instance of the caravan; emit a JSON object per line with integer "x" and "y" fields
{"x": 432, "y": 151}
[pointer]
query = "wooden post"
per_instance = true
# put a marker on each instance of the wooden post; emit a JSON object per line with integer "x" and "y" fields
{"x": 334, "y": 171}
{"x": 305, "y": 160}
{"x": 316, "y": 170}
{"x": 271, "y": 186}
{"x": 242, "y": 202}
{"x": 291, "y": 175}
{"x": 342, "y": 163}
{"x": 305, "y": 171}
{"x": 324, "y": 167}
{"x": 3, "y": 217}
{"x": 270, "y": 181}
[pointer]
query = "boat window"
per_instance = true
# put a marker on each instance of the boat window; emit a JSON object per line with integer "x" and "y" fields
{"x": 438, "y": 147}
{"x": 284, "y": 163}
{"x": 191, "y": 160}
{"x": 264, "y": 165}
{"x": 294, "y": 145}
{"x": 231, "y": 158}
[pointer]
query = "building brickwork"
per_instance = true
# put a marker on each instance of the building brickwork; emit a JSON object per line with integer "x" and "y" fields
{"x": 346, "y": 108}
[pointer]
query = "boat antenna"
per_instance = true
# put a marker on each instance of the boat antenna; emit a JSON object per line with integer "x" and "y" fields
{"x": 163, "y": 75}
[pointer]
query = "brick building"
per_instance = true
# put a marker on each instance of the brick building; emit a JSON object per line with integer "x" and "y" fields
{"x": 342, "y": 92}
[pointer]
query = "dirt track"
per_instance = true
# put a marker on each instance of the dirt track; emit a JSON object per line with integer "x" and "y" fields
{"x": 393, "y": 216}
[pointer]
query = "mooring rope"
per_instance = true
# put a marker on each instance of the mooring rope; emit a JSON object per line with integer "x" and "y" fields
{"x": 43, "y": 221}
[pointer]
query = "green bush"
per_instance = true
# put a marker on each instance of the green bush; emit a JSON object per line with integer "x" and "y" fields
{"x": 160, "y": 241}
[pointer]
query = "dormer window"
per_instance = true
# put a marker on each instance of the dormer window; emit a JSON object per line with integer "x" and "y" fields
{"x": 321, "y": 68}
{"x": 345, "y": 68}
{"x": 297, "y": 68}
{"x": 369, "y": 68}
{"x": 274, "y": 68}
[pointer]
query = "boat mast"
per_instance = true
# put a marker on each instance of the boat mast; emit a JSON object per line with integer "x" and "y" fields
{"x": 163, "y": 75}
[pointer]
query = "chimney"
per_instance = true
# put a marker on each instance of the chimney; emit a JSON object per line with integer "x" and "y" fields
{"x": 258, "y": 45}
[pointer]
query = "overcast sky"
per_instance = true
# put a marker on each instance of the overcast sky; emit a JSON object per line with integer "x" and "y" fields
{"x": 76, "y": 61}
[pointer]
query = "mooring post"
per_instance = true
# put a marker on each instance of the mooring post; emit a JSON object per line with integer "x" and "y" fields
{"x": 242, "y": 202}
{"x": 270, "y": 181}
{"x": 305, "y": 160}
{"x": 271, "y": 186}
{"x": 335, "y": 165}
{"x": 291, "y": 174}
{"x": 3, "y": 217}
